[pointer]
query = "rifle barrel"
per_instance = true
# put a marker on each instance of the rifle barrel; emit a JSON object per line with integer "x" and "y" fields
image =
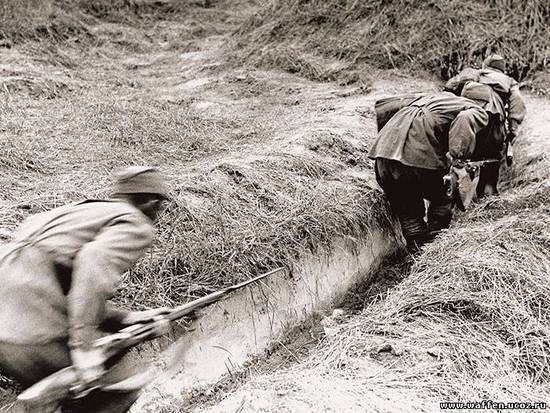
{"x": 188, "y": 308}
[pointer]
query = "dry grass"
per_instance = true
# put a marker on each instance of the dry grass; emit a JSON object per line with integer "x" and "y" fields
{"x": 439, "y": 36}
{"x": 252, "y": 216}
{"x": 72, "y": 109}
{"x": 78, "y": 23}
{"x": 240, "y": 205}
{"x": 233, "y": 215}
{"x": 473, "y": 312}
{"x": 469, "y": 322}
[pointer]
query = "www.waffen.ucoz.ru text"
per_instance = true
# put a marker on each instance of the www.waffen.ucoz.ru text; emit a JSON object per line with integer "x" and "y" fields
{"x": 489, "y": 404}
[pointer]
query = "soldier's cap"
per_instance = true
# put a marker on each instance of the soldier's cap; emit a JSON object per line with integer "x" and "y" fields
{"x": 495, "y": 61}
{"x": 140, "y": 180}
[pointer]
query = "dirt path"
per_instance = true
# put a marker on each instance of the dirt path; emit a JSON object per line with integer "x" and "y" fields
{"x": 534, "y": 142}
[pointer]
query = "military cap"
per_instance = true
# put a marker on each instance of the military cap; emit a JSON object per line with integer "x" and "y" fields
{"x": 495, "y": 61}
{"x": 140, "y": 180}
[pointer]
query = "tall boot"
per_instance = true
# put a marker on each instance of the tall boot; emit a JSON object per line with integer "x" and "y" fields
{"x": 488, "y": 180}
{"x": 439, "y": 215}
{"x": 415, "y": 232}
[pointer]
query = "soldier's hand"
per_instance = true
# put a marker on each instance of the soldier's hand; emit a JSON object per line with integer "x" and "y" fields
{"x": 458, "y": 163}
{"x": 513, "y": 127}
{"x": 454, "y": 162}
{"x": 145, "y": 316}
{"x": 89, "y": 363}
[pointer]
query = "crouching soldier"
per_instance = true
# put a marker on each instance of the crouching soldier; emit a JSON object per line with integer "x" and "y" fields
{"x": 506, "y": 108}
{"x": 57, "y": 275}
{"x": 411, "y": 159}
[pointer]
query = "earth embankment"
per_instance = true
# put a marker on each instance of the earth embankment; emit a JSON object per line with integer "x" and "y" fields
{"x": 264, "y": 167}
{"x": 468, "y": 323}
{"x": 268, "y": 168}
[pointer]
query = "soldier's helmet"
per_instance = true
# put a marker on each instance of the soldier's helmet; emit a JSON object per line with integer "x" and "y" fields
{"x": 140, "y": 180}
{"x": 495, "y": 61}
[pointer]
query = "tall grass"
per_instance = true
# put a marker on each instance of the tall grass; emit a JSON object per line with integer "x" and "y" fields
{"x": 41, "y": 19}
{"x": 72, "y": 20}
{"x": 243, "y": 203}
{"x": 441, "y": 36}
{"x": 249, "y": 216}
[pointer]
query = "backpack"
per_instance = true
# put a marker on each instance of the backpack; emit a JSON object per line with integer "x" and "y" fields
{"x": 493, "y": 103}
{"x": 387, "y": 107}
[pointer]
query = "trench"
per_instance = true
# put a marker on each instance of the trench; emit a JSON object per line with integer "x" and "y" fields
{"x": 250, "y": 321}
{"x": 243, "y": 327}
{"x": 300, "y": 388}
{"x": 235, "y": 331}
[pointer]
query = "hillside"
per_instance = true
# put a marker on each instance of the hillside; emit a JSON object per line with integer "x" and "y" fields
{"x": 342, "y": 39}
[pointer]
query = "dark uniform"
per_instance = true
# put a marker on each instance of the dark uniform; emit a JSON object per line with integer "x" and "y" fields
{"x": 505, "y": 106}
{"x": 411, "y": 158}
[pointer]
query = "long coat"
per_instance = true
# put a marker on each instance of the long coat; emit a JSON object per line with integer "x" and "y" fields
{"x": 421, "y": 133}
{"x": 62, "y": 267}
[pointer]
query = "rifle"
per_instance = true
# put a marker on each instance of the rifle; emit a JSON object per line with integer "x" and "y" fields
{"x": 65, "y": 384}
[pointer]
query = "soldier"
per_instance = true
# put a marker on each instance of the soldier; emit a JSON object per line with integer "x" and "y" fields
{"x": 59, "y": 272}
{"x": 506, "y": 110}
{"x": 411, "y": 159}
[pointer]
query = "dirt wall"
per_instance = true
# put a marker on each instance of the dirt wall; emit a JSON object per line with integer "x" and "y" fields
{"x": 251, "y": 321}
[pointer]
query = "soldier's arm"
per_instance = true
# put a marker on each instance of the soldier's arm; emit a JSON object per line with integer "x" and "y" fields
{"x": 114, "y": 317}
{"x": 516, "y": 111}
{"x": 97, "y": 269}
{"x": 463, "y": 130}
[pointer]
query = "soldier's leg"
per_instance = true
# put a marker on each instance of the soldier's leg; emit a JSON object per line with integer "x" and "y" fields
{"x": 29, "y": 364}
{"x": 403, "y": 189}
{"x": 488, "y": 180}
{"x": 440, "y": 208}
{"x": 102, "y": 402}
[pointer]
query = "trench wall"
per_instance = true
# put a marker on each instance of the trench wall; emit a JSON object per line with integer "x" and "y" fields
{"x": 247, "y": 323}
